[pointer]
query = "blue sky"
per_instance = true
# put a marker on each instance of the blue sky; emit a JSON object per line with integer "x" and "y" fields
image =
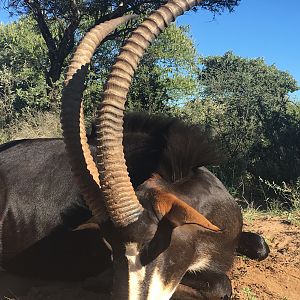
{"x": 258, "y": 28}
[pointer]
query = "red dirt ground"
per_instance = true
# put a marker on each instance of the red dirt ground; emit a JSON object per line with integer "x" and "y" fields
{"x": 278, "y": 276}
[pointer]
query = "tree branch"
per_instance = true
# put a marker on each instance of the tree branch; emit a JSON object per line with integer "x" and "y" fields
{"x": 34, "y": 6}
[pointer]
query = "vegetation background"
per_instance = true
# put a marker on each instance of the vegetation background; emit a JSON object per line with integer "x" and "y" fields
{"x": 242, "y": 104}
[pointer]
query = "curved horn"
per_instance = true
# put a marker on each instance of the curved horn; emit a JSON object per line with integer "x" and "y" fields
{"x": 120, "y": 199}
{"x": 72, "y": 118}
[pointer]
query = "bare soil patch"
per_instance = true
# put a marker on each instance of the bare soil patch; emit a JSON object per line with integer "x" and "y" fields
{"x": 277, "y": 277}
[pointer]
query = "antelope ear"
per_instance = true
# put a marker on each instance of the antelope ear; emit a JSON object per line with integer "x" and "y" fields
{"x": 92, "y": 223}
{"x": 178, "y": 212}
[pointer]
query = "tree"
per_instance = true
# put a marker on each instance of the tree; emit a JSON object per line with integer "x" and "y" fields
{"x": 60, "y": 21}
{"x": 167, "y": 74}
{"x": 245, "y": 104}
{"x": 23, "y": 60}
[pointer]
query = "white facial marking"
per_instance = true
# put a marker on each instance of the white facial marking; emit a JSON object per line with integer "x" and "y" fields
{"x": 201, "y": 264}
{"x": 150, "y": 287}
{"x": 136, "y": 272}
{"x": 157, "y": 290}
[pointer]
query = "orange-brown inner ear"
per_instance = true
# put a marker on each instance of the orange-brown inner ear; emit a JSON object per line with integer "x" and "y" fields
{"x": 178, "y": 212}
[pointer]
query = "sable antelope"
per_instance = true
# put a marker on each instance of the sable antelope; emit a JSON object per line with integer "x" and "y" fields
{"x": 178, "y": 220}
{"x": 174, "y": 222}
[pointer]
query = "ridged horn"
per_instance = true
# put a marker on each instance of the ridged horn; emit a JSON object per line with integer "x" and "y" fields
{"x": 121, "y": 201}
{"x": 72, "y": 118}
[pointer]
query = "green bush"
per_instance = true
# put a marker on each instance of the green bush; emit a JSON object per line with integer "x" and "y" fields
{"x": 245, "y": 106}
{"x": 23, "y": 63}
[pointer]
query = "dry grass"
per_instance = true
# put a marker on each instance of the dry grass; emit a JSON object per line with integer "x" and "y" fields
{"x": 291, "y": 216}
{"x": 33, "y": 125}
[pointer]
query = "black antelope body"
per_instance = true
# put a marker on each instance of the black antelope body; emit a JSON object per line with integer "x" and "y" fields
{"x": 172, "y": 221}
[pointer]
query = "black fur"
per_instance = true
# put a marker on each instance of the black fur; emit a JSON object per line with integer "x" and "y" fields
{"x": 253, "y": 246}
{"x": 41, "y": 204}
{"x": 38, "y": 195}
{"x": 166, "y": 146}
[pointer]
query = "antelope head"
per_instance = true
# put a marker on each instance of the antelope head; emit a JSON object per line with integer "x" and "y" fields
{"x": 152, "y": 230}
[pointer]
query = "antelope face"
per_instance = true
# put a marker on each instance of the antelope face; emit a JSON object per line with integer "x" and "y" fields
{"x": 152, "y": 255}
